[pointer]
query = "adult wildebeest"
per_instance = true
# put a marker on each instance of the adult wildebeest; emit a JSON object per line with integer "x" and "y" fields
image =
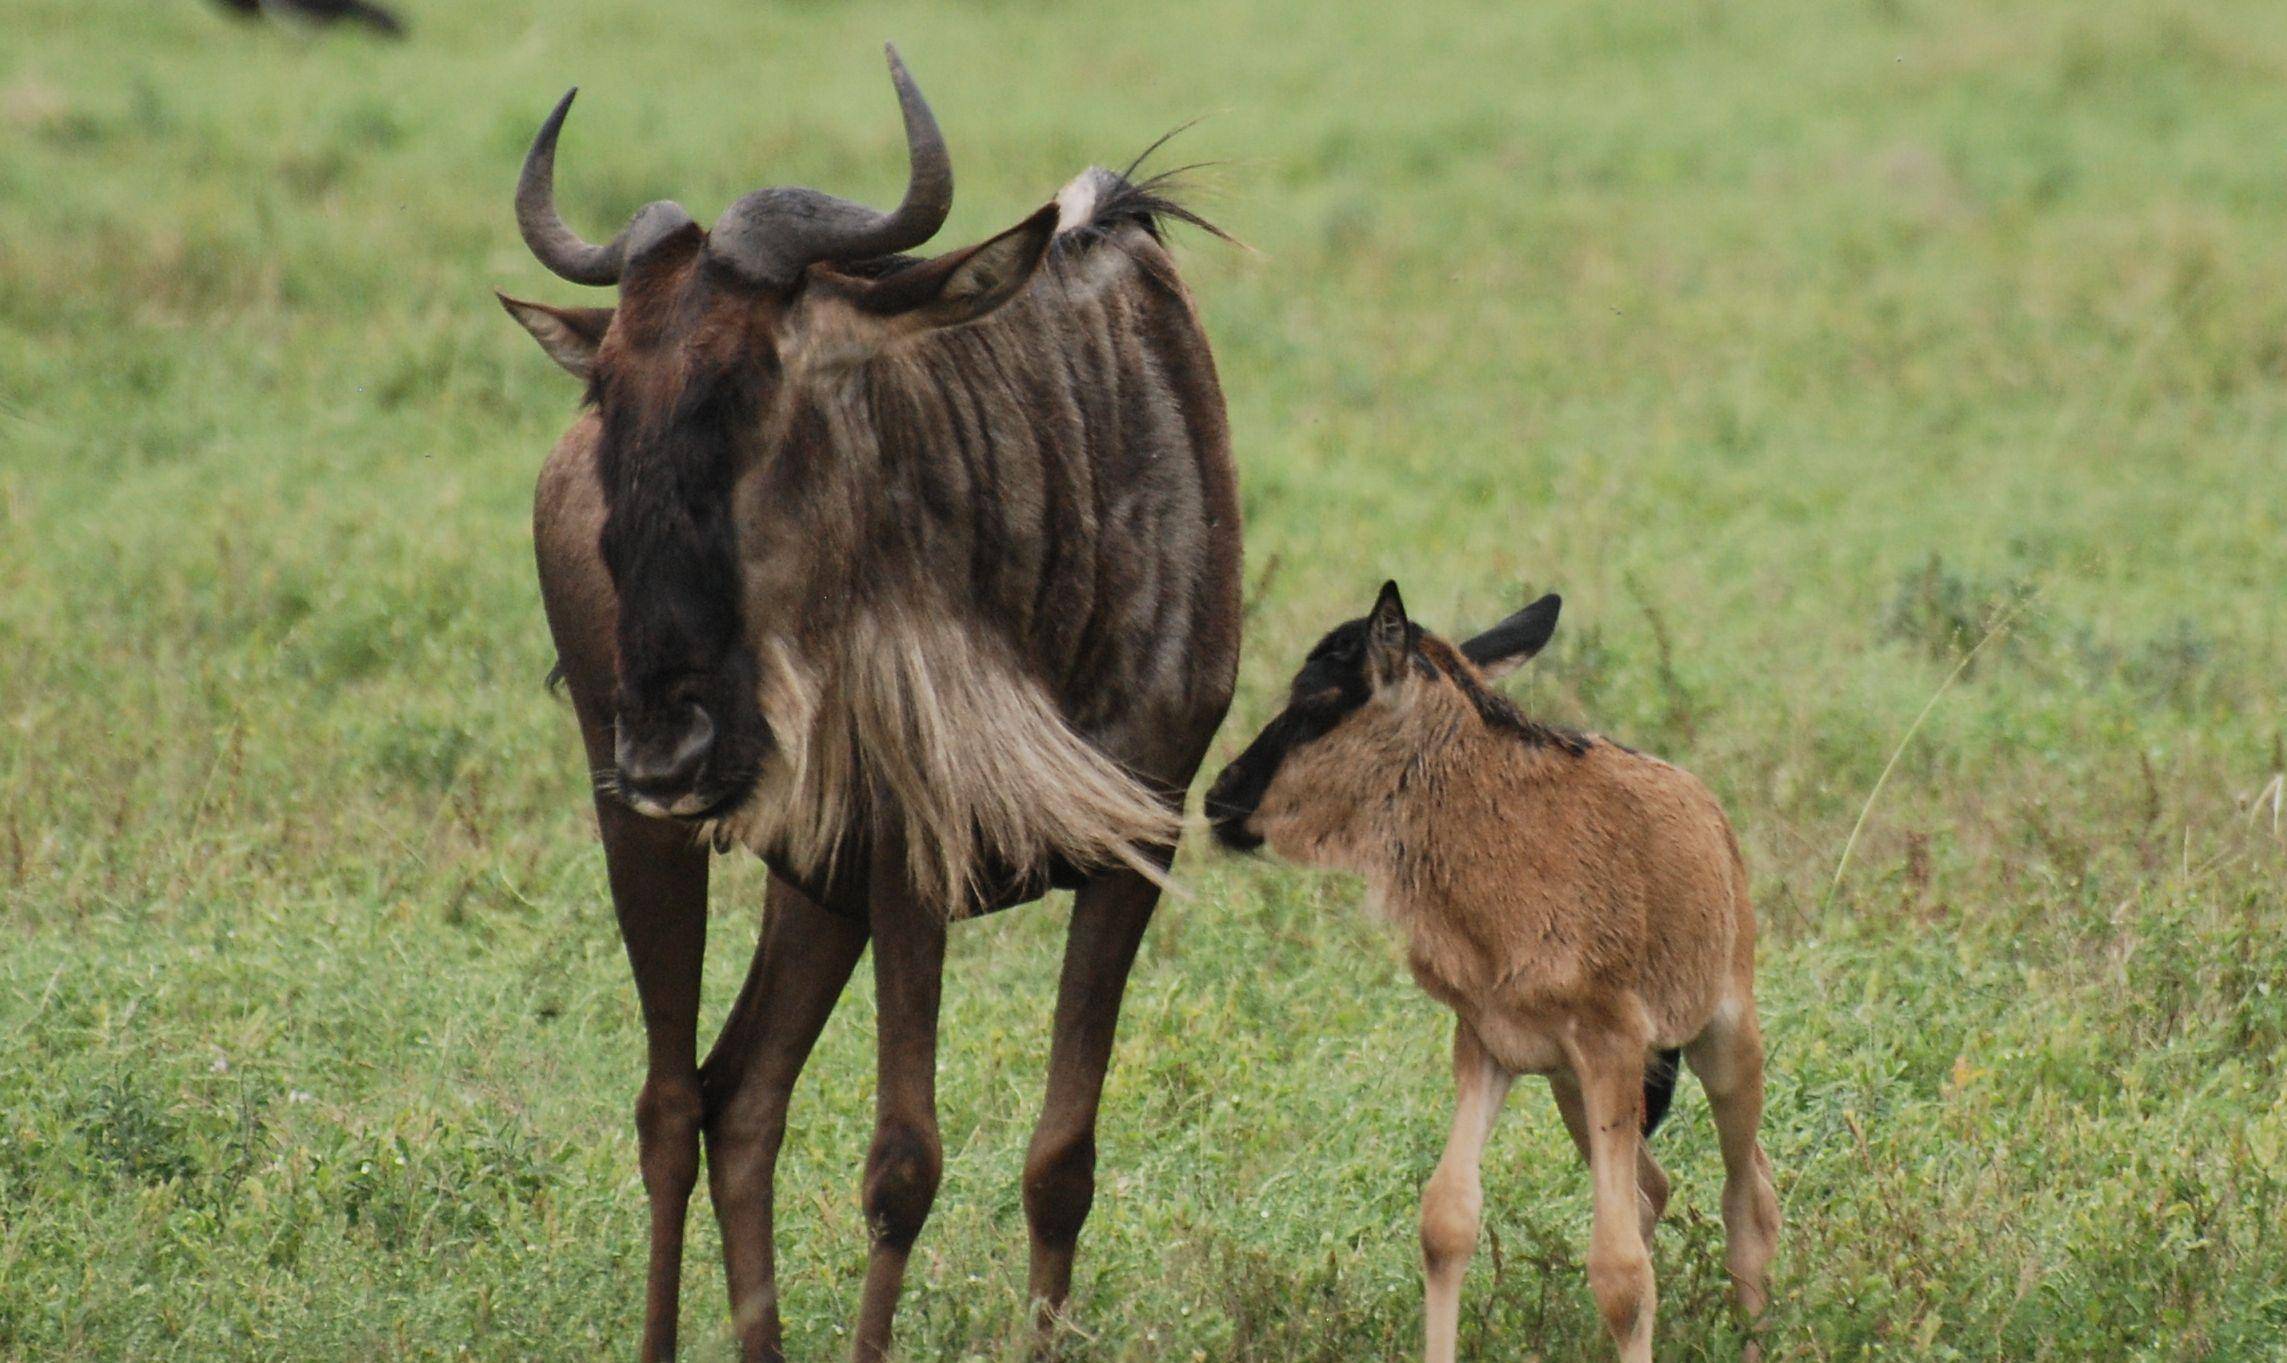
{"x": 919, "y": 578}
{"x": 1581, "y": 907}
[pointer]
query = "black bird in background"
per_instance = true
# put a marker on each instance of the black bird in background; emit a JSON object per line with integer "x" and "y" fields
{"x": 323, "y": 12}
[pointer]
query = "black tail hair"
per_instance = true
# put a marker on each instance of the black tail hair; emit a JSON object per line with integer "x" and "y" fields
{"x": 1659, "y": 1088}
{"x": 1151, "y": 203}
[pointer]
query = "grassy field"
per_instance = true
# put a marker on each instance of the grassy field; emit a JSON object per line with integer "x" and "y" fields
{"x": 1795, "y": 342}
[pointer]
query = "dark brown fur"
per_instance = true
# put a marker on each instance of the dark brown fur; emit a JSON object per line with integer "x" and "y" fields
{"x": 948, "y": 552}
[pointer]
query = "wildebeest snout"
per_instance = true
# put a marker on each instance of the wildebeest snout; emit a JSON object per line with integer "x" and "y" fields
{"x": 661, "y": 757}
{"x": 1230, "y": 803}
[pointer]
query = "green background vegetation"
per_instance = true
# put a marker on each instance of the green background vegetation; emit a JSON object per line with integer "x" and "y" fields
{"x": 1793, "y": 341}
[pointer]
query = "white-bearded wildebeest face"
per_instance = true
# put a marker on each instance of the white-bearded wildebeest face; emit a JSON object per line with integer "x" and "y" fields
{"x": 916, "y": 577}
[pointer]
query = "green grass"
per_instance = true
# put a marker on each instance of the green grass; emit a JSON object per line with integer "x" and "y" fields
{"x": 1792, "y": 341}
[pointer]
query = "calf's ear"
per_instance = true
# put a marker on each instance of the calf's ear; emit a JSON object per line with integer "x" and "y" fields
{"x": 1509, "y": 645}
{"x": 569, "y": 335}
{"x": 1388, "y": 638}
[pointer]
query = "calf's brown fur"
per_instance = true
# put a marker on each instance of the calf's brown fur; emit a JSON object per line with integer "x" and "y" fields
{"x": 1581, "y": 907}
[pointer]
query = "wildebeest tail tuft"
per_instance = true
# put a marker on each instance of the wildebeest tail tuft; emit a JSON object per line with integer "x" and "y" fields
{"x": 1659, "y": 1088}
{"x": 1099, "y": 200}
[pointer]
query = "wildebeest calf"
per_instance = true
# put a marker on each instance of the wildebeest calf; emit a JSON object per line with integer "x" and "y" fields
{"x": 1581, "y": 907}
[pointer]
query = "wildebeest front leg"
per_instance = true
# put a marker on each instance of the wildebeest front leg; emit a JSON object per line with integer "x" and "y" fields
{"x": 800, "y": 966}
{"x": 1453, "y": 1202}
{"x": 659, "y": 891}
{"x": 1109, "y": 916}
{"x": 903, "y": 1166}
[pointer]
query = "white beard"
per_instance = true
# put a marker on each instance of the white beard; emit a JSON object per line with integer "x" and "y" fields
{"x": 974, "y": 756}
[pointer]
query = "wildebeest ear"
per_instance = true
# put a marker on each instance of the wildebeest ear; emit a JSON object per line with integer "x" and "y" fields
{"x": 1386, "y": 636}
{"x": 964, "y": 285}
{"x": 569, "y": 335}
{"x": 1510, "y": 644}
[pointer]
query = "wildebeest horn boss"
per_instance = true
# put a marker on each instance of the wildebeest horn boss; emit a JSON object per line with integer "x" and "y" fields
{"x": 768, "y": 236}
{"x": 918, "y": 578}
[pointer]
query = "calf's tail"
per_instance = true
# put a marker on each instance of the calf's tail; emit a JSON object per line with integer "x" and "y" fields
{"x": 1659, "y": 1088}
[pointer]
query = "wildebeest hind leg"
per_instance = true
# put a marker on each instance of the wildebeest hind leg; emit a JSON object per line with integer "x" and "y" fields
{"x": 1651, "y": 1179}
{"x": 1109, "y": 915}
{"x": 903, "y": 1166}
{"x": 1728, "y": 1058}
{"x": 800, "y": 967}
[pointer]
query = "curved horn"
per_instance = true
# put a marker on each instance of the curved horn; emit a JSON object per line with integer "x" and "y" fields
{"x": 556, "y": 246}
{"x": 929, "y": 174}
{"x": 771, "y": 234}
{"x": 560, "y": 248}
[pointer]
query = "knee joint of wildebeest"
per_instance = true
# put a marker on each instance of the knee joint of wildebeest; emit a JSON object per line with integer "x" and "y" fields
{"x": 902, "y": 1173}
{"x": 1059, "y": 1188}
{"x": 741, "y": 1107}
{"x": 1621, "y": 1281}
{"x": 1450, "y": 1215}
{"x": 668, "y": 1113}
{"x": 743, "y": 1130}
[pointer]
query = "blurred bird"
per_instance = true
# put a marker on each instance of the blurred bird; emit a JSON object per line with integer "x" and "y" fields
{"x": 323, "y": 12}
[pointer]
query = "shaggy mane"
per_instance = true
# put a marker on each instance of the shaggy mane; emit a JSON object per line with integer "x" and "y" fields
{"x": 1096, "y": 203}
{"x": 973, "y": 756}
{"x": 1498, "y": 711}
{"x": 909, "y": 711}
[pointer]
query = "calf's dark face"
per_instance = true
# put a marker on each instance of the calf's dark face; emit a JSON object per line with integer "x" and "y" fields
{"x": 1333, "y": 682}
{"x": 1345, "y": 670}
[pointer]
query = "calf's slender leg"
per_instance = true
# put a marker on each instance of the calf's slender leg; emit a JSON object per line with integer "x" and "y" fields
{"x": 800, "y": 966}
{"x": 1651, "y": 1179}
{"x": 659, "y": 891}
{"x": 1610, "y": 1071}
{"x": 1728, "y": 1058}
{"x": 1109, "y": 915}
{"x": 906, "y": 1159}
{"x": 1453, "y": 1200}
